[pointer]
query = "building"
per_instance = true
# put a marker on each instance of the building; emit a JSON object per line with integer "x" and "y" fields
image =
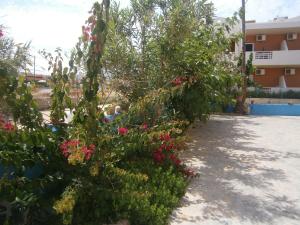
{"x": 275, "y": 46}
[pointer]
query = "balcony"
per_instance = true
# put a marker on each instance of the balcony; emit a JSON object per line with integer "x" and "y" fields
{"x": 275, "y": 58}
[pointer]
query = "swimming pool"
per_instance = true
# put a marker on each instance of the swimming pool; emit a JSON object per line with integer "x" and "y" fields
{"x": 275, "y": 109}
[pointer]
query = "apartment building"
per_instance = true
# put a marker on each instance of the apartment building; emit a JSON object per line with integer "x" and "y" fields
{"x": 275, "y": 46}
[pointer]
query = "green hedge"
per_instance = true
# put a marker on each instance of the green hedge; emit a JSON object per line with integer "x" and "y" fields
{"x": 285, "y": 95}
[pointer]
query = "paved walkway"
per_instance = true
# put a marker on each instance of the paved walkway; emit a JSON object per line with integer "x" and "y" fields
{"x": 249, "y": 172}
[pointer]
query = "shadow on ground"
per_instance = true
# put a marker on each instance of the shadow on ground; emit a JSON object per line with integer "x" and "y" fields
{"x": 233, "y": 180}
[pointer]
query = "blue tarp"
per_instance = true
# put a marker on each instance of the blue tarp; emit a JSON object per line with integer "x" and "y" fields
{"x": 30, "y": 172}
{"x": 275, "y": 109}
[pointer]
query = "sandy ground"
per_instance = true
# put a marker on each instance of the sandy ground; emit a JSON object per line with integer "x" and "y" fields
{"x": 249, "y": 172}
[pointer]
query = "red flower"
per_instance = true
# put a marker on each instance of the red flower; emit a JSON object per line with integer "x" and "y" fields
{"x": 158, "y": 156}
{"x": 123, "y": 131}
{"x": 67, "y": 146}
{"x": 92, "y": 147}
{"x": 64, "y": 147}
{"x": 169, "y": 147}
{"x": 165, "y": 137}
{"x": 73, "y": 143}
{"x": 173, "y": 157}
{"x": 8, "y": 126}
{"x": 88, "y": 151}
{"x": 177, "y": 81}
{"x": 175, "y": 160}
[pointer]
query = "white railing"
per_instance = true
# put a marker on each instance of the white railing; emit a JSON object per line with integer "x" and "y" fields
{"x": 263, "y": 55}
{"x": 275, "y": 58}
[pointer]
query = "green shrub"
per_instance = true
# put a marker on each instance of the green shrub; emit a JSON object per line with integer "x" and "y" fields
{"x": 285, "y": 95}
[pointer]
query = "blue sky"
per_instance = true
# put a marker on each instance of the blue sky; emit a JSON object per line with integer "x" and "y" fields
{"x": 57, "y": 23}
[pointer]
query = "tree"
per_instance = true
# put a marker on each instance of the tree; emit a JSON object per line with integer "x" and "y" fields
{"x": 15, "y": 96}
{"x": 156, "y": 42}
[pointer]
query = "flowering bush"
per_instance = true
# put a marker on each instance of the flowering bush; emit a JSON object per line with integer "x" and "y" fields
{"x": 98, "y": 171}
{"x": 75, "y": 152}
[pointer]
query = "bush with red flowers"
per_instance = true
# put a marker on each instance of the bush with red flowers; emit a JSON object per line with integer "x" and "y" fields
{"x": 97, "y": 171}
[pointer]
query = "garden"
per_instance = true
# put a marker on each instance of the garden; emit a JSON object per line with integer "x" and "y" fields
{"x": 168, "y": 61}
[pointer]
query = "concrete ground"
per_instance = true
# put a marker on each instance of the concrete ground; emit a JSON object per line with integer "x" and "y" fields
{"x": 249, "y": 172}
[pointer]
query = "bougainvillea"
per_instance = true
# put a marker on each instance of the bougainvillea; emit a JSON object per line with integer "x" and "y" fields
{"x": 75, "y": 152}
{"x": 8, "y": 126}
{"x": 166, "y": 151}
{"x": 130, "y": 167}
{"x": 122, "y": 130}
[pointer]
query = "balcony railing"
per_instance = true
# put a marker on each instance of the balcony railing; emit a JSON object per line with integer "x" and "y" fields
{"x": 275, "y": 58}
{"x": 263, "y": 55}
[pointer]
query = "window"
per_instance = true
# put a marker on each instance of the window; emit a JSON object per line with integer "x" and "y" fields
{"x": 290, "y": 71}
{"x": 249, "y": 47}
{"x": 291, "y": 36}
{"x": 261, "y": 37}
{"x": 260, "y": 72}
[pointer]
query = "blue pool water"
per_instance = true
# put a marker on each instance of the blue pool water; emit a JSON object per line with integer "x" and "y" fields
{"x": 275, "y": 109}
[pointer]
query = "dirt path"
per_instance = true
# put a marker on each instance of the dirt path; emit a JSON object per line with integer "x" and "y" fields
{"x": 249, "y": 172}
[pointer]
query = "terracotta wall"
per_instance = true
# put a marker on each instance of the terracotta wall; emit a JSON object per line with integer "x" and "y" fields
{"x": 273, "y": 42}
{"x": 271, "y": 78}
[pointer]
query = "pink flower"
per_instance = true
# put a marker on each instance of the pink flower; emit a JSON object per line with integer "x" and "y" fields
{"x": 9, "y": 126}
{"x": 73, "y": 143}
{"x": 145, "y": 126}
{"x": 67, "y": 145}
{"x": 88, "y": 151}
{"x": 1, "y": 33}
{"x": 123, "y": 131}
{"x": 64, "y": 147}
{"x": 86, "y": 33}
